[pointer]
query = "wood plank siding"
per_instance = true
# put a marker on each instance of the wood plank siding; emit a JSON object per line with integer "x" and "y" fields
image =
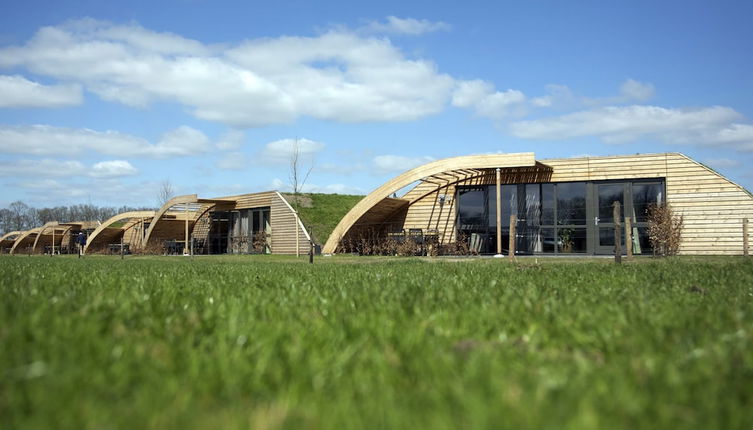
{"x": 713, "y": 207}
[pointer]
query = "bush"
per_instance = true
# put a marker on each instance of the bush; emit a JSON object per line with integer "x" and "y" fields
{"x": 664, "y": 230}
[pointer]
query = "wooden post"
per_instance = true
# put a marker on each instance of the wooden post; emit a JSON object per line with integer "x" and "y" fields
{"x": 629, "y": 237}
{"x": 122, "y": 253}
{"x": 499, "y": 214}
{"x": 745, "y": 237}
{"x": 617, "y": 233}
{"x": 53, "y": 242}
{"x": 297, "y": 239}
{"x": 513, "y": 223}
{"x": 311, "y": 249}
{"x": 185, "y": 244}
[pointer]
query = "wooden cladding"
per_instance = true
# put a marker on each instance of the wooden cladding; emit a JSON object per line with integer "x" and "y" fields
{"x": 712, "y": 206}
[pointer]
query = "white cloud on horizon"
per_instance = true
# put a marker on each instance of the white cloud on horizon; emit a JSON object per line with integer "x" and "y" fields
{"x": 19, "y": 92}
{"x": 711, "y": 126}
{"x": 46, "y": 140}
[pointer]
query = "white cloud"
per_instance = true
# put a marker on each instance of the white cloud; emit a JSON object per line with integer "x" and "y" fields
{"x": 482, "y": 97}
{"x": 233, "y": 161}
{"x": 42, "y": 168}
{"x": 280, "y": 185}
{"x": 634, "y": 90}
{"x": 50, "y": 168}
{"x": 112, "y": 169}
{"x": 706, "y": 126}
{"x": 563, "y": 98}
{"x": 19, "y": 92}
{"x": 338, "y": 75}
{"x": 231, "y": 140}
{"x": 412, "y": 26}
{"x": 45, "y": 140}
{"x": 397, "y": 163}
{"x": 280, "y": 151}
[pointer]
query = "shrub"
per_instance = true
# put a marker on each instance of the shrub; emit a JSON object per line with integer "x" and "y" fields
{"x": 664, "y": 229}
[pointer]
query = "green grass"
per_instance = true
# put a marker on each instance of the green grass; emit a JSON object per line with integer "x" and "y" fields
{"x": 272, "y": 342}
{"x": 322, "y": 212}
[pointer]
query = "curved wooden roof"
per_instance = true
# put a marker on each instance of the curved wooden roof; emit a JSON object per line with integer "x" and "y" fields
{"x": 114, "y": 219}
{"x": 7, "y": 236}
{"x": 466, "y": 165}
{"x": 23, "y": 236}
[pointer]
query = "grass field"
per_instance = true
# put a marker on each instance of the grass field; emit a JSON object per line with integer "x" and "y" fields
{"x": 272, "y": 342}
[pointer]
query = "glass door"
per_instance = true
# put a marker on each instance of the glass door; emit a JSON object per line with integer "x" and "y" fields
{"x": 604, "y": 196}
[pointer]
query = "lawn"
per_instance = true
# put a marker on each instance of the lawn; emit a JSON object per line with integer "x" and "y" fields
{"x": 272, "y": 342}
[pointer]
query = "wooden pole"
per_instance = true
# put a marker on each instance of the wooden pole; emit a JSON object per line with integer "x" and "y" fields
{"x": 629, "y": 237}
{"x": 185, "y": 243}
{"x": 122, "y": 252}
{"x": 745, "y": 237}
{"x": 617, "y": 233}
{"x": 297, "y": 239}
{"x": 53, "y": 242}
{"x": 499, "y": 213}
{"x": 513, "y": 223}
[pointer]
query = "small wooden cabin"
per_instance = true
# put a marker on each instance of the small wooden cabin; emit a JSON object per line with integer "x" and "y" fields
{"x": 243, "y": 224}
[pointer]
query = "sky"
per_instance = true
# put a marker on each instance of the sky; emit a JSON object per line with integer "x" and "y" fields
{"x": 103, "y": 101}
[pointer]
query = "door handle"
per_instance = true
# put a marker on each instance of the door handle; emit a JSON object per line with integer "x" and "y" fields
{"x": 596, "y": 220}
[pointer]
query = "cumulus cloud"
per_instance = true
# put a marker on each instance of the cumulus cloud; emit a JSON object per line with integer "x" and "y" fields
{"x": 19, "y": 92}
{"x": 563, "y": 98}
{"x": 411, "y": 26}
{"x": 397, "y": 163}
{"x": 112, "y": 169}
{"x": 486, "y": 101}
{"x": 705, "y": 126}
{"x": 45, "y": 140}
{"x": 50, "y": 168}
{"x": 339, "y": 75}
{"x": 281, "y": 151}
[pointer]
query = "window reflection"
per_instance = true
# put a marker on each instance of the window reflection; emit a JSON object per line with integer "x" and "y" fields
{"x": 571, "y": 203}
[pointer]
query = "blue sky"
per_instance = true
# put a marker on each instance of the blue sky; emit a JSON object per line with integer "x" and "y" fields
{"x": 102, "y": 101}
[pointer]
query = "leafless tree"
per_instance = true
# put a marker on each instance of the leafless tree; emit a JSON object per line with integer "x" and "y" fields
{"x": 297, "y": 177}
{"x": 166, "y": 192}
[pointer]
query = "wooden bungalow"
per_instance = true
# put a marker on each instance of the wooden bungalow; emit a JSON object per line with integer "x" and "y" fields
{"x": 52, "y": 237}
{"x": 562, "y": 206}
{"x": 242, "y": 224}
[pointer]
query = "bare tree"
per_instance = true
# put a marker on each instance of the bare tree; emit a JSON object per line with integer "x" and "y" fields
{"x": 166, "y": 192}
{"x": 297, "y": 177}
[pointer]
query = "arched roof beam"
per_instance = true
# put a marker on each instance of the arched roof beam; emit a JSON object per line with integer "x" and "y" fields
{"x": 524, "y": 159}
{"x": 114, "y": 219}
{"x": 23, "y": 236}
{"x": 189, "y": 198}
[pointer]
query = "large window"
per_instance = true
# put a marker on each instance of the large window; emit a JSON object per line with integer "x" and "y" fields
{"x": 555, "y": 218}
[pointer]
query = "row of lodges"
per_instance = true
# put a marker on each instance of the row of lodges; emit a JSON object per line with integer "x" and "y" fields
{"x": 262, "y": 222}
{"x": 489, "y": 204}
